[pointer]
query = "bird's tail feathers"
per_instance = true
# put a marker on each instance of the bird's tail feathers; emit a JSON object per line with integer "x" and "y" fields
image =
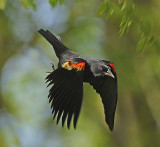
{"x": 54, "y": 41}
{"x": 49, "y": 37}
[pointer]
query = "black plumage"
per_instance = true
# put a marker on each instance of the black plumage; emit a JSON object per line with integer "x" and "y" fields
{"x": 66, "y": 92}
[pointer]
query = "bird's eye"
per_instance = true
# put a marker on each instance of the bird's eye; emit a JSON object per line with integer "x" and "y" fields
{"x": 109, "y": 68}
{"x": 105, "y": 68}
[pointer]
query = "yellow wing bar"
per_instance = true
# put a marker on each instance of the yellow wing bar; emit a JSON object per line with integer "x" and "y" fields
{"x": 69, "y": 66}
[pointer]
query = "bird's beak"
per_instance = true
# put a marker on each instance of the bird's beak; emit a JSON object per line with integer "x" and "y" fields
{"x": 109, "y": 73}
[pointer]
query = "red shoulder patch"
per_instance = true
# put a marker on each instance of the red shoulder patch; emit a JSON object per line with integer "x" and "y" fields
{"x": 69, "y": 66}
{"x": 78, "y": 66}
{"x": 113, "y": 67}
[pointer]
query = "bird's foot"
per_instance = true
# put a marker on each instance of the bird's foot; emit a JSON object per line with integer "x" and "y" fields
{"x": 47, "y": 72}
{"x": 52, "y": 66}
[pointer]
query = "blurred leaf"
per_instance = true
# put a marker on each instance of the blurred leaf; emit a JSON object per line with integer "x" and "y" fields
{"x": 141, "y": 43}
{"x": 123, "y": 26}
{"x": 54, "y": 2}
{"x": 145, "y": 27}
{"x": 147, "y": 38}
{"x": 127, "y": 10}
{"x": 101, "y": 8}
{"x": 2, "y": 4}
{"x": 130, "y": 16}
{"x": 151, "y": 39}
{"x": 156, "y": 44}
{"x": 32, "y": 3}
{"x": 109, "y": 10}
{"x": 25, "y": 3}
{"x": 129, "y": 23}
{"x": 106, "y": 8}
{"x": 28, "y": 3}
{"x": 124, "y": 5}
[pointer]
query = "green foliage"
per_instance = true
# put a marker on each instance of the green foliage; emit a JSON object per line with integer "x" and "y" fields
{"x": 54, "y": 2}
{"x": 31, "y": 3}
{"x": 127, "y": 10}
{"x": 130, "y": 17}
{"x": 106, "y": 8}
{"x": 2, "y": 4}
{"x": 141, "y": 43}
{"x": 146, "y": 37}
{"x": 129, "y": 14}
{"x": 28, "y": 3}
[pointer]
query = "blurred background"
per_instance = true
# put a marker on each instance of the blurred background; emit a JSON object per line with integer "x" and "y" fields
{"x": 91, "y": 29}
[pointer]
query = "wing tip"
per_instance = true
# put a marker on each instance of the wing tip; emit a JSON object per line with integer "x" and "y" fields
{"x": 110, "y": 123}
{"x": 111, "y": 127}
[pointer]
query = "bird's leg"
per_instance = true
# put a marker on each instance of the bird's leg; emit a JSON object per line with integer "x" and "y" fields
{"x": 52, "y": 66}
{"x": 49, "y": 72}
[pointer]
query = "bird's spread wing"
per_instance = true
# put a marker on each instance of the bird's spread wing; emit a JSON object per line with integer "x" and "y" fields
{"x": 107, "y": 88}
{"x": 66, "y": 92}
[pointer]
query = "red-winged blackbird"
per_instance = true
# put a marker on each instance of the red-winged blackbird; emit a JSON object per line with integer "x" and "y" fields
{"x": 67, "y": 80}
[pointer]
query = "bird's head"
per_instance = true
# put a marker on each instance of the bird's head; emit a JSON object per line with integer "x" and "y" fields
{"x": 103, "y": 69}
{"x": 109, "y": 70}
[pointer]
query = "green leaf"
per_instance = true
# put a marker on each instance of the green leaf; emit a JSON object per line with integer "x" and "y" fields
{"x": 102, "y": 8}
{"x": 151, "y": 39}
{"x": 55, "y": 2}
{"x": 145, "y": 27}
{"x": 28, "y": 3}
{"x": 105, "y": 8}
{"x": 130, "y": 9}
{"x": 123, "y": 26}
{"x": 127, "y": 10}
{"x": 32, "y": 4}
{"x": 109, "y": 9}
{"x": 129, "y": 23}
{"x": 2, "y": 4}
{"x": 124, "y": 5}
{"x": 141, "y": 43}
{"x": 25, "y": 3}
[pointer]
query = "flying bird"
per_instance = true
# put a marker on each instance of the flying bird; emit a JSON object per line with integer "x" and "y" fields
{"x": 66, "y": 92}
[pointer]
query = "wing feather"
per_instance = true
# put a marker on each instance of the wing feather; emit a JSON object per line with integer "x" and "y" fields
{"x": 107, "y": 88}
{"x": 66, "y": 94}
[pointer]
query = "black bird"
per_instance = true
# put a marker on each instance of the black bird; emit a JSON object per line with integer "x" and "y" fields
{"x": 66, "y": 93}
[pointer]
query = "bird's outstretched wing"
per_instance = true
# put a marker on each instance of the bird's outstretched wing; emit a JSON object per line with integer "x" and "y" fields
{"x": 66, "y": 92}
{"x": 107, "y": 88}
